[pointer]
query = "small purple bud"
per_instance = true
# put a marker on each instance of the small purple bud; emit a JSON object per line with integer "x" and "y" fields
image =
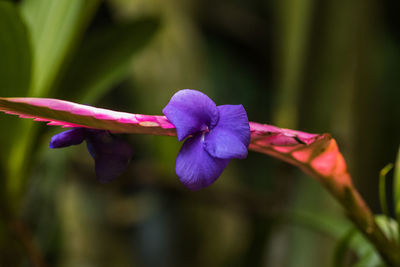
{"x": 68, "y": 138}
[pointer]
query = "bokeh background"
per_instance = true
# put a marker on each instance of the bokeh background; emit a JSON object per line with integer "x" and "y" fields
{"x": 317, "y": 66}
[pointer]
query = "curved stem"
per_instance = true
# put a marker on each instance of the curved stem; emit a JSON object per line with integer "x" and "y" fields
{"x": 339, "y": 184}
{"x": 360, "y": 214}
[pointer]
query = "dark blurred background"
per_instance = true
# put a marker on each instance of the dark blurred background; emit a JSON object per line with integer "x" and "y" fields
{"x": 317, "y": 66}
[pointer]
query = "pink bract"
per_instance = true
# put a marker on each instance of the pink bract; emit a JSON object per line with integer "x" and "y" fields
{"x": 260, "y": 133}
{"x": 316, "y": 154}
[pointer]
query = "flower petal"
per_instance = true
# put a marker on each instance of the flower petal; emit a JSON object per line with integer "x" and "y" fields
{"x": 233, "y": 118}
{"x": 231, "y": 137}
{"x": 68, "y": 138}
{"x": 223, "y": 144}
{"x": 108, "y": 167}
{"x": 195, "y": 167}
{"x": 111, "y": 155}
{"x": 191, "y": 111}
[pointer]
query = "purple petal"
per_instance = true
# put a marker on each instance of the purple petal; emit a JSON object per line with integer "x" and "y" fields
{"x": 231, "y": 137}
{"x": 111, "y": 154}
{"x": 233, "y": 118}
{"x": 109, "y": 166}
{"x": 68, "y": 138}
{"x": 195, "y": 167}
{"x": 191, "y": 111}
{"x": 224, "y": 144}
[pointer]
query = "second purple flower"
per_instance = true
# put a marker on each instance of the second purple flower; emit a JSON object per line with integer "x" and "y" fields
{"x": 110, "y": 153}
{"x": 215, "y": 135}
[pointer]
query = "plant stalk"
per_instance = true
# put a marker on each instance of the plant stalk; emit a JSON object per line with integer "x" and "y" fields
{"x": 362, "y": 217}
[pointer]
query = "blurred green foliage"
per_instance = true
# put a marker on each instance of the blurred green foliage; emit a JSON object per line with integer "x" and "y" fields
{"x": 327, "y": 66}
{"x": 366, "y": 254}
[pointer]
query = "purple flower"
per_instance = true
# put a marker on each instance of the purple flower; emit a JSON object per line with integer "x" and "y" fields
{"x": 110, "y": 153}
{"x": 216, "y": 134}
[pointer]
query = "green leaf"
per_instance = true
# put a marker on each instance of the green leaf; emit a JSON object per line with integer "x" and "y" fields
{"x": 15, "y": 63}
{"x": 15, "y": 66}
{"x": 389, "y": 227}
{"x": 366, "y": 253}
{"x": 55, "y": 27}
{"x": 104, "y": 58}
{"x": 396, "y": 187}
{"x": 342, "y": 247}
{"x": 382, "y": 188}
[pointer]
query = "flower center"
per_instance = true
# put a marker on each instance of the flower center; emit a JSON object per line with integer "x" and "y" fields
{"x": 203, "y": 132}
{"x": 203, "y": 135}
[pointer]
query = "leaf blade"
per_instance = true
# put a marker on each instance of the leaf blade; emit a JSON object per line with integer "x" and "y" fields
{"x": 382, "y": 188}
{"x": 15, "y": 67}
{"x": 15, "y": 63}
{"x": 55, "y": 27}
